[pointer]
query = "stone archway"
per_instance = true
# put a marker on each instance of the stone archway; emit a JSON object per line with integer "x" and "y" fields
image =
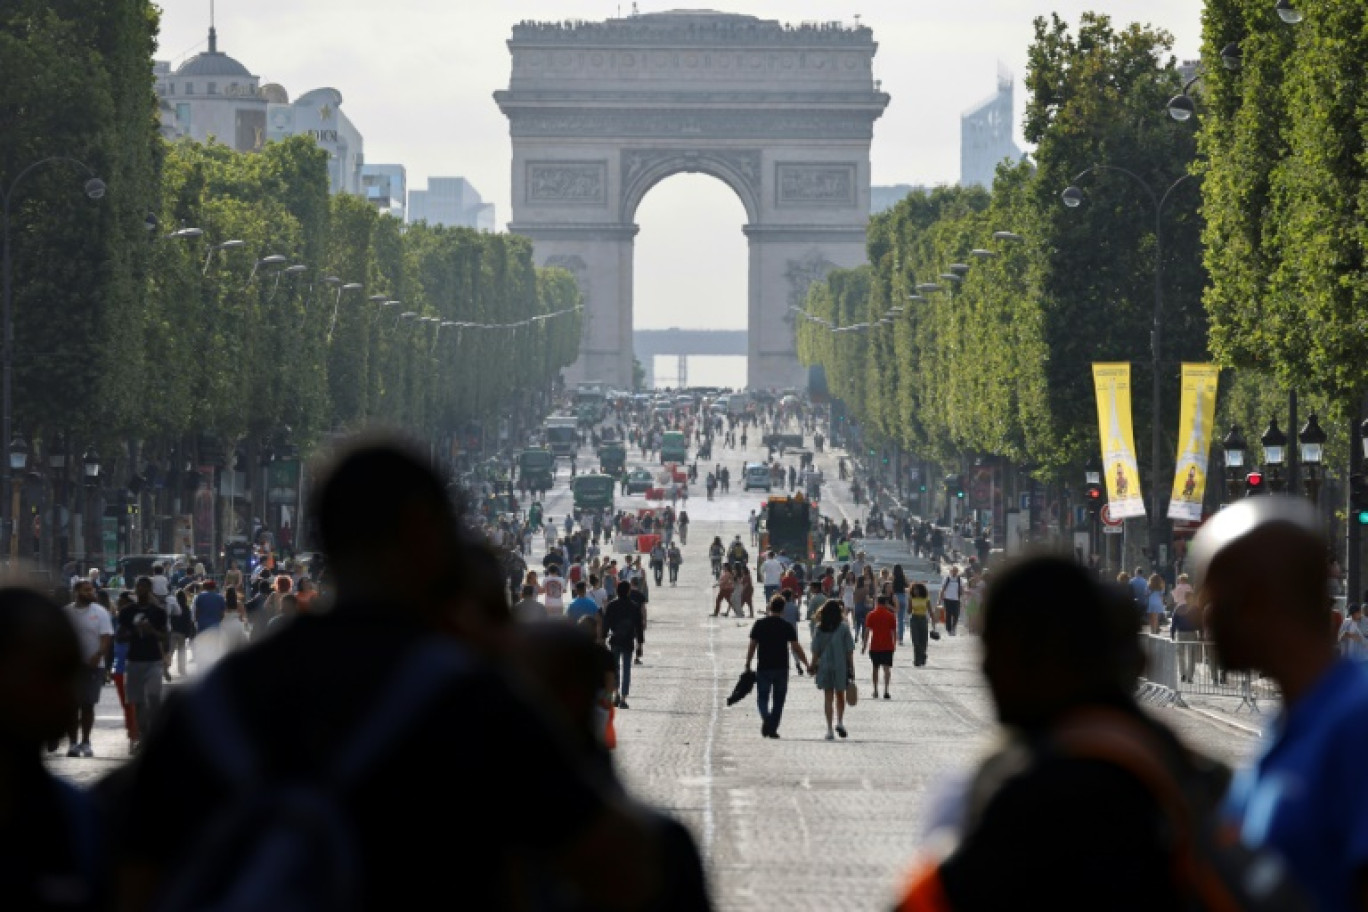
{"x": 600, "y": 112}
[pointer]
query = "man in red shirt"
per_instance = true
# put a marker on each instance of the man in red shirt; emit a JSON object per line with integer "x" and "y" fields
{"x": 880, "y": 639}
{"x": 790, "y": 581}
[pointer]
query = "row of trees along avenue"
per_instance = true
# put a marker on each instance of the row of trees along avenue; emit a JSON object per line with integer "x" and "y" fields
{"x": 217, "y": 307}
{"x": 993, "y": 365}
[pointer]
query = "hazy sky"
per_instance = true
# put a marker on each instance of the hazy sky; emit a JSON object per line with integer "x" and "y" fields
{"x": 417, "y": 78}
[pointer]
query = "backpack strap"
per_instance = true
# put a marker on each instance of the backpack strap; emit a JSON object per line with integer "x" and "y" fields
{"x": 431, "y": 666}
{"x": 420, "y": 677}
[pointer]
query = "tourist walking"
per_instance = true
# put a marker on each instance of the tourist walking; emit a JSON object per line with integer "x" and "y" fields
{"x": 773, "y": 638}
{"x": 952, "y": 589}
{"x": 900, "y": 599}
{"x": 833, "y": 666}
{"x": 920, "y": 620}
{"x": 880, "y": 640}
{"x": 1154, "y": 601}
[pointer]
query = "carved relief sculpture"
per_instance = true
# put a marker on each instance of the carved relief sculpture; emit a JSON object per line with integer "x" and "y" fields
{"x": 576, "y": 183}
{"x": 812, "y": 184}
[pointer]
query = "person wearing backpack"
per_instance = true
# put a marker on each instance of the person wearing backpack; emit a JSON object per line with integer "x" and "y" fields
{"x": 1089, "y": 803}
{"x": 314, "y": 758}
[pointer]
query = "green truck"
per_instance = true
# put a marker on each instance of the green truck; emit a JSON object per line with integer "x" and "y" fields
{"x": 593, "y": 493}
{"x": 612, "y": 458}
{"x": 674, "y": 447}
{"x": 536, "y": 470}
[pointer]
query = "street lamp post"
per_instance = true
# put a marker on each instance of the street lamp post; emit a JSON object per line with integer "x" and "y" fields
{"x": 1311, "y": 444}
{"x": 1234, "y": 446}
{"x": 18, "y": 462}
{"x": 95, "y": 189}
{"x": 1073, "y": 198}
{"x": 90, "y": 462}
{"x": 1275, "y": 454}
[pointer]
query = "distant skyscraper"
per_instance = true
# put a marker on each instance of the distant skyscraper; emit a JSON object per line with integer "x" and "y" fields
{"x": 986, "y": 135}
{"x": 450, "y": 201}
{"x": 386, "y": 188}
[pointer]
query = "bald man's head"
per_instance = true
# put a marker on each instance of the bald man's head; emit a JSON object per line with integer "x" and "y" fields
{"x": 1261, "y": 568}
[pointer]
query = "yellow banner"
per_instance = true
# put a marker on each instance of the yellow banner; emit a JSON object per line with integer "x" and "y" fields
{"x": 1196, "y": 414}
{"x": 1119, "y": 466}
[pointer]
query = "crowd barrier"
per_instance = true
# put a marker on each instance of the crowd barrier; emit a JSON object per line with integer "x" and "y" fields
{"x": 1191, "y": 667}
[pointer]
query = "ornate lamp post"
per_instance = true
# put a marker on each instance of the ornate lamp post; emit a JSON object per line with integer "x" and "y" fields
{"x": 1312, "y": 440}
{"x": 1235, "y": 449}
{"x": 1275, "y": 453}
{"x": 18, "y": 462}
{"x": 90, "y": 461}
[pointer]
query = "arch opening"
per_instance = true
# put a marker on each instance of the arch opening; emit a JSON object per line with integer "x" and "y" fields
{"x": 691, "y": 273}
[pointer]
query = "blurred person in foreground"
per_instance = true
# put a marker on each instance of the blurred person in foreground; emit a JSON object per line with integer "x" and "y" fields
{"x": 1074, "y": 810}
{"x": 51, "y": 858}
{"x": 1260, "y": 567}
{"x": 316, "y": 692}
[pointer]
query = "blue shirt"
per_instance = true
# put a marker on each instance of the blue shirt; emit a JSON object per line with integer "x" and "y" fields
{"x": 1307, "y": 794}
{"x": 209, "y": 608}
{"x": 1139, "y": 587}
{"x": 581, "y": 607}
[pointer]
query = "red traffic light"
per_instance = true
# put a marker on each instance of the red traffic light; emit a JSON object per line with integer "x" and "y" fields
{"x": 1094, "y": 493}
{"x": 1254, "y": 483}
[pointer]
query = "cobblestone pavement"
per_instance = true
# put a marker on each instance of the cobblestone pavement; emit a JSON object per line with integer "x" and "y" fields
{"x": 797, "y": 823}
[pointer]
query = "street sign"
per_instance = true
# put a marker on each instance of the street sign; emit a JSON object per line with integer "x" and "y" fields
{"x": 1112, "y": 530}
{"x": 1110, "y": 523}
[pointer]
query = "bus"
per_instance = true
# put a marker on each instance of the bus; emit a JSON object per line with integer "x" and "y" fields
{"x": 593, "y": 493}
{"x": 536, "y": 470}
{"x": 591, "y": 402}
{"x": 791, "y": 525}
{"x": 562, "y": 435}
{"x": 674, "y": 447}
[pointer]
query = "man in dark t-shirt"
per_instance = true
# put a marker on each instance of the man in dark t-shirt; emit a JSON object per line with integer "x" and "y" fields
{"x": 773, "y": 638}
{"x": 144, "y": 626}
{"x": 302, "y": 695}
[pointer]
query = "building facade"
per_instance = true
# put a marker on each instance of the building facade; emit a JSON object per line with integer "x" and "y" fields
{"x": 319, "y": 114}
{"x": 386, "y": 188}
{"x": 212, "y": 96}
{"x": 986, "y": 135}
{"x": 450, "y": 201}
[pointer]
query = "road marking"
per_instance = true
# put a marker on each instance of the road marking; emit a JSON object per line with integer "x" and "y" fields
{"x": 708, "y": 820}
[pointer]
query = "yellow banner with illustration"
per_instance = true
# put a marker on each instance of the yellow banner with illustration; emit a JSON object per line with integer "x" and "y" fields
{"x": 1119, "y": 466}
{"x": 1195, "y": 417}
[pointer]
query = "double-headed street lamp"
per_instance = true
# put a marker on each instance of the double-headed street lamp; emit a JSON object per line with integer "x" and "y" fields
{"x": 95, "y": 189}
{"x": 1073, "y": 198}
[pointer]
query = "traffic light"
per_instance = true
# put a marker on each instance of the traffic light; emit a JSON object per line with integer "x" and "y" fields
{"x": 921, "y": 489}
{"x": 1358, "y": 498}
{"x": 954, "y": 486}
{"x": 1255, "y": 483}
{"x": 1092, "y": 496}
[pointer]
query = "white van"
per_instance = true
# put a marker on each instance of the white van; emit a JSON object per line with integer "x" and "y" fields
{"x": 757, "y": 476}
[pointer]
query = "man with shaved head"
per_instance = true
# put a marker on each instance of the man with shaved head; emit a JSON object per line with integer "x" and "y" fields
{"x": 1261, "y": 569}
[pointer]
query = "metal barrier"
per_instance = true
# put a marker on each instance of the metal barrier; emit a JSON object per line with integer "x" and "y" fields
{"x": 1191, "y": 667}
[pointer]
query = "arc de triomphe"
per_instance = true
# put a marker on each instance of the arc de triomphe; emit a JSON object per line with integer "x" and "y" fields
{"x": 600, "y": 112}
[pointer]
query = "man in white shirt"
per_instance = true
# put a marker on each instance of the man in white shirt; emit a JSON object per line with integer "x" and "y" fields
{"x": 554, "y": 591}
{"x": 95, "y": 630}
{"x": 951, "y": 590}
{"x": 771, "y": 572}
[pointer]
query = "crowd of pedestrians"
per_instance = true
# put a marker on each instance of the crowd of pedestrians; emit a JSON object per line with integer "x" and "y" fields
{"x": 310, "y": 751}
